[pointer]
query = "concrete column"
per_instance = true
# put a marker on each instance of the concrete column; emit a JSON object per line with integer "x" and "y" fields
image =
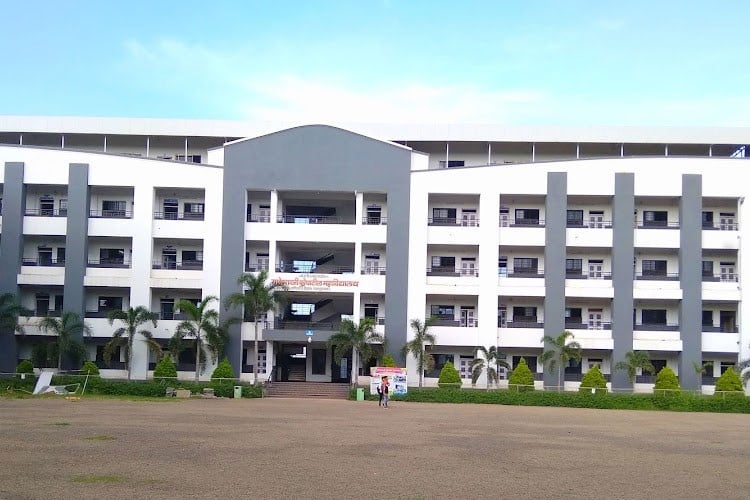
{"x": 274, "y": 206}
{"x": 270, "y": 357}
{"x": 140, "y": 289}
{"x": 359, "y": 207}
{"x": 690, "y": 255}
{"x": 622, "y": 275}
{"x": 555, "y": 251}
{"x": 357, "y": 257}
{"x": 489, "y": 209}
{"x": 11, "y": 251}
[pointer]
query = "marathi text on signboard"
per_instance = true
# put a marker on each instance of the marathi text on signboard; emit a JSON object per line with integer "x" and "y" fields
{"x": 314, "y": 283}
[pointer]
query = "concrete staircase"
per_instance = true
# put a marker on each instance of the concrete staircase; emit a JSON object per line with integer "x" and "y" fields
{"x": 296, "y": 373}
{"x": 321, "y": 390}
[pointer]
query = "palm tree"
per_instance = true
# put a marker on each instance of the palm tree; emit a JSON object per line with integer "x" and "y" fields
{"x": 560, "y": 352}
{"x": 257, "y": 299}
{"x": 633, "y": 361}
{"x": 490, "y": 360}
{"x": 741, "y": 368}
{"x": 66, "y": 328}
{"x": 203, "y": 325}
{"x": 10, "y": 311}
{"x": 132, "y": 319}
{"x": 416, "y": 345}
{"x": 355, "y": 337}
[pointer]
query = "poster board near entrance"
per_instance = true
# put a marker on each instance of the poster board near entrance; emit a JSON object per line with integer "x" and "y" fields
{"x": 396, "y": 378}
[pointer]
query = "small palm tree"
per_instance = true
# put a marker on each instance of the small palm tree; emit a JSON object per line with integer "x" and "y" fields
{"x": 560, "y": 352}
{"x": 66, "y": 328}
{"x": 132, "y": 319}
{"x": 742, "y": 369}
{"x": 416, "y": 345}
{"x": 10, "y": 311}
{"x": 359, "y": 339}
{"x": 202, "y": 324}
{"x": 633, "y": 361}
{"x": 490, "y": 361}
{"x": 257, "y": 299}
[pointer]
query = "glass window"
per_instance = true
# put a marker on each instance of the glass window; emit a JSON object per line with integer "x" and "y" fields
{"x": 575, "y": 218}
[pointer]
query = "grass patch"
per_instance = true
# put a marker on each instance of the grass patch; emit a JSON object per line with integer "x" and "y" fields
{"x": 61, "y": 424}
{"x": 92, "y": 479}
{"x": 100, "y": 438}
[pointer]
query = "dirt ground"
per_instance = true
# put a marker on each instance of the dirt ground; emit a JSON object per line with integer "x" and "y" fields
{"x": 286, "y": 448}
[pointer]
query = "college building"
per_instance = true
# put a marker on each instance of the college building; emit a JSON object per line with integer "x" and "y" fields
{"x": 629, "y": 238}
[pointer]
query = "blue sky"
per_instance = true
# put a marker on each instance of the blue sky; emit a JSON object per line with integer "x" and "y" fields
{"x": 555, "y": 62}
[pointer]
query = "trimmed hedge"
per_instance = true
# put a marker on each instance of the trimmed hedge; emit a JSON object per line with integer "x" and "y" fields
{"x": 593, "y": 379}
{"x": 90, "y": 368}
{"x": 389, "y": 361}
{"x": 25, "y": 366}
{"x": 449, "y": 377}
{"x": 678, "y": 401}
{"x": 165, "y": 368}
{"x": 729, "y": 382}
{"x": 666, "y": 379}
{"x": 223, "y": 370}
{"x": 521, "y": 379}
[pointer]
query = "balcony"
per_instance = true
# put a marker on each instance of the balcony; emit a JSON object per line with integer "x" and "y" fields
{"x": 657, "y": 224}
{"x": 313, "y": 219}
{"x": 603, "y": 224}
{"x": 451, "y": 271}
{"x": 258, "y": 218}
{"x": 178, "y": 216}
{"x": 453, "y": 221}
{"x": 374, "y": 221}
{"x": 170, "y": 316}
{"x": 518, "y": 222}
{"x": 280, "y": 324}
{"x": 97, "y": 314}
{"x": 723, "y": 278}
{"x": 720, "y": 329}
{"x": 657, "y": 327}
{"x": 323, "y": 269}
{"x": 110, "y": 263}
{"x": 374, "y": 270}
{"x": 578, "y": 324}
{"x": 42, "y": 262}
{"x": 452, "y": 322}
{"x": 256, "y": 267}
{"x": 657, "y": 276}
{"x": 525, "y": 273}
{"x": 185, "y": 265}
{"x": 46, "y": 212}
{"x": 580, "y": 275}
{"x": 522, "y": 322}
{"x": 110, "y": 214}
{"x": 723, "y": 226}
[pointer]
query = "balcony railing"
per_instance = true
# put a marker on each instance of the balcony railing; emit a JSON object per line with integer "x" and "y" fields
{"x": 656, "y": 224}
{"x": 314, "y": 219}
{"x": 720, "y": 329}
{"x": 55, "y": 313}
{"x": 461, "y": 322}
{"x": 258, "y": 218}
{"x": 111, "y": 263}
{"x": 178, "y": 216}
{"x": 452, "y": 221}
{"x": 42, "y": 262}
{"x": 522, "y": 322}
{"x": 657, "y": 276}
{"x": 324, "y": 269}
{"x": 379, "y": 320}
{"x": 581, "y": 325}
{"x": 374, "y": 270}
{"x": 97, "y": 314}
{"x": 185, "y": 265}
{"x": 580, "y": 275}
{"x": 111, "y": 214}
{"x": 302, "y": 325}
{"x": 258, "y": 266}
{"x": 169, "y": 316}
{"x": 526, "y": 273}
{"x": 605, "y": 224}
{"x": 728, "y": 277}
{"x": 526, "y": 223}
{"x": 452, "y": 271}
{"x": 374, "y": 221}
{"x": 725, "y": 226}
{"x": 45, "y": 212}
{"x": 657, "y": 327}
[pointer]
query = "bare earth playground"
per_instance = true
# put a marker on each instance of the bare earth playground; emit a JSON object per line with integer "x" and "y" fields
{"x": 286, "y": 448}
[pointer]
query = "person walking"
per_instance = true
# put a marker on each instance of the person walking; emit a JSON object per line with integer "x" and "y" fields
{"x": 384, "y": 386}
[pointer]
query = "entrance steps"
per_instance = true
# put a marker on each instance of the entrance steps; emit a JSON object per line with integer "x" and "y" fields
{"x": 296, "y": 373}
{"x": 321, "y": 390}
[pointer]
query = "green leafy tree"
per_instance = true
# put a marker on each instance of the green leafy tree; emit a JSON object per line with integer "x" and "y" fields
{"x": 202, "y": 324}
{"x": 729, "y": 382}
{"x": 10, "y": 311}
{"x": 521, "y": 379}
{"x": 25, "y": 366}
{"x": 358, "y": 338}
{"x": 257, "y": 299}
{"x": 389, "y": 361}
{"x": 594, "y": 379}
{"x": 165, "y": 369}
{"x": 416, "y": 346}
{"x": 223, "y": 370}
{"x": 633, "y": 361}
{"x": 666, "y": 379}
{"x": 449, "y": 376}
{"x": 489, "y": 361}
{"x": 66, "y": 329}
{"x": 90, "y": 368}
{"x": 559, "y": 352}
{"x": 131, "y": 320}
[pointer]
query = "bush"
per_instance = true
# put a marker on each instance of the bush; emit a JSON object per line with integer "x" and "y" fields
{"x": 165, "y": 369}
{"x": 223, "y": 370}
{"x": 729, "y": 382}
{"x": 666, "y": 379}
{"x": 521, "y": 379}
{"x": 25, "y": 366}
{"x": 449, "y": 377}
{"x": 389, "y": 361}
{"x": 593, "y": 379}
{"x": 90, "y": 368}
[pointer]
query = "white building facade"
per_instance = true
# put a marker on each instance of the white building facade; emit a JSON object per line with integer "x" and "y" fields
{"x": 630, "y": 244}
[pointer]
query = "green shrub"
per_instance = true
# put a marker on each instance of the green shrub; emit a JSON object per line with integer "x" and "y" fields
{"x": 90, "y": 368}
{"x": 449, "y": 377}
{"x": 223, "y": 370}
{"x": 729, "y": 382}
{"x": 25, "y": 366}
{"x": 521, "y": 379}
{"x": 165, "y": 369}
{"x": 666, "y": 379}
{"x": 593, "y": 379}
{"x": 389, "y": 361}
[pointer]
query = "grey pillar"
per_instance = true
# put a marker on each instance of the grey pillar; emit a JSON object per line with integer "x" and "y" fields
{"x": 691, "y": 205}
{"x": 397, "y": 275}
{"x": 622, "y": 274}
{"x": 555, "y": 251}
{"x": 11, "y": 251}
{"x": 76, "y": 241}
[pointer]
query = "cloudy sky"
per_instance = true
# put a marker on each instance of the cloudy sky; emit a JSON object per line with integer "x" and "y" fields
{"x": 517, "y": 62}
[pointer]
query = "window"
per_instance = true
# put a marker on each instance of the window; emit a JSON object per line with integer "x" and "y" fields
{"x": 575, "y": 218}
{"x": 42, "y": 304}
{"x": 707, "y": 318}
{"x": 573, "y": 314}
{"x": 112, "y": 256}
{"x": 596, "y": 218}
{"x": 443, "y": 263}
{"x": 303, "y": 266}
{"x": 595, "y": 319}
{"x": 451, "y": 163}
{"x": 194, "y": 210}
{"x": 63, "y": 204}
{"x": 654, "y": 267}
{"x": 502, "y": 266}
{"x": 654, "y": 316}
{"x": 727, "y": 271}
{"x": 530, "y": 361}
{"x": 595, "y": 268}
{"x": 726, "y": 365}
{"x": 373, "y": 214}
{"x": 443, "y": 215}
{"x": 302, "y": 309}
{"x": 47, "y": 206}
{"x": 524, "y": 313}
{"x": 726, "y": 221}
{"x": 464, "y": 366}
{"x": 728, "y": 321}
{"x": 527, "y": 216}
{"x": 166, "y": 309}
{"x": 707, "y": 269}
{"x": 189, "y": 158}
{"x": 318, "y": 361}
{"x": 440, "y": 360}
{"x": 525, "y": 265}
{"x": 443, "y": 311}
{"x": 191, "y": 258}
{"x": 592, "y": 362}
{"x": 707, "y": 220}
{"x": 170, "y": 207}
{"x": 574, "y": 266}
{"x": 655, "y": 218}
{"x": 113, "y": 208}
{"x": 371, "y": 311}
{"x": 110, "y": 304}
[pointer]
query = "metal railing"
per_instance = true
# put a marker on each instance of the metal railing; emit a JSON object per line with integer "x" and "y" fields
{"x": 111, "y": 263}
{"x": 657, "y": 327}
{"x": 185, "y": 265}
{"x": 605, "y": 224}
{"x": 258, "y": 218}
{"x": 525, "y": 223}
{"x": 581, "y": 325}
{"x": 111, "y": 214}
{"x": 526, "y": 273}
{"x": 452, "y": 221}
{"x": 324, "y": 269}
{"x": 42, "y": 262}
{"x": 314, "y": 219}
{"x": 641, "y": 224}
{"x": 374, "y": 270}
{"x": 725, "y": 226}
{"x": 46, "y": 212}
{"x": 178, "y": 216}
{"x": 724, "y": 278}
{"x": 719, "y": 329}
{"x": 657, "y": 276}
{"x": 374, "y": 221}
{"x": 522, "y": 323}
{"x": 452, "y": 271}
{"x": 302, "y": 325}
{"x": 97, "y": 314}
{"x": 254, "y": 268}
{"x": 169, "y": 316}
